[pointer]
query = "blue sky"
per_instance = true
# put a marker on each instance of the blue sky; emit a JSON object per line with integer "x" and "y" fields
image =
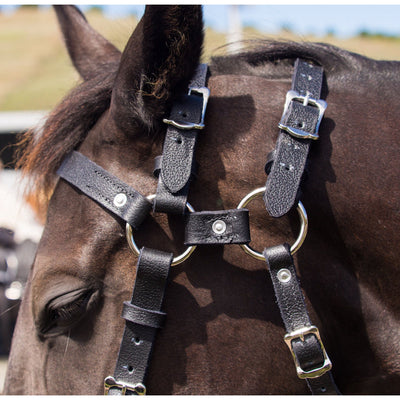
{"x": 342, "y": 19}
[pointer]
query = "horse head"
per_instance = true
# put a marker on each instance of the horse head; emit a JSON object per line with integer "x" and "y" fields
{"x": 223, "y": 332}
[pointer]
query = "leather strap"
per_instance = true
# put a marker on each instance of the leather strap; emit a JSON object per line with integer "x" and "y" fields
{"x": 217, "y": 227}
{"x": 291, "y": 152}
{"x": 157, "y": 168}
{"x": 106, "y": 189}
{"x": 143, "y": 317}
{"x": 179, "y": 146}
{"x": 307, "y": 348}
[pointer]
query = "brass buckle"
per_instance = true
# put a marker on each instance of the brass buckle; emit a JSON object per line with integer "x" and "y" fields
{"x": 110, "y": 382}
{"x": 296, "y": 132}
{"x": 299, "y": 334}
{"x": 205, "y": 93}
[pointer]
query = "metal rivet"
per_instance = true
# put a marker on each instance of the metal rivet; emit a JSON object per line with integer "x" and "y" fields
{"x": 284, "y": 275}
{"x": 120, "y": 200}
{"x": 219, "y": 227}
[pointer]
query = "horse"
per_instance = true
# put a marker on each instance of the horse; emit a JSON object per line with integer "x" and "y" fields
{"x": 223, "y": 333}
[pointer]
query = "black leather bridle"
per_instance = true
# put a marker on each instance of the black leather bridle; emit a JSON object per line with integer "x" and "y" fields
{"x": 175, "y": 170}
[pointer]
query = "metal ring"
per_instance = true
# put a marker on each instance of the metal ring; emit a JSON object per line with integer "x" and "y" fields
{"x": 176, "y": 260}
{"x": 303, "y": 225}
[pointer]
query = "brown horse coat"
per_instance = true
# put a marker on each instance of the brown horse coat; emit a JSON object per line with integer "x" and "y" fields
{"x": 223, "y": 333}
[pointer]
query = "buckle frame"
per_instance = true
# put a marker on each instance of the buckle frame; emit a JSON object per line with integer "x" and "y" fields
{"x": 110, "y": 382}
{"x": 292, "y": 95}
{"x": 299, "y": 334}
{"x": 205, "y": 93}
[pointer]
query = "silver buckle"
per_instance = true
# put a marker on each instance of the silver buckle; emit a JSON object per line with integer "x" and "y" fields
{"x": 299, "y": 334}
{"x": 306, "y": 100}
{"x": 205, "y": 93}
{"x": 110, "y": 382}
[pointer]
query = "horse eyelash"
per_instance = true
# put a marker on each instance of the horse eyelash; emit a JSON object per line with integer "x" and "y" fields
{"x": 69, "y": 310}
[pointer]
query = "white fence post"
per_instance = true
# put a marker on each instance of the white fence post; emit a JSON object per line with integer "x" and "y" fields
{"x": 19, "y": 121}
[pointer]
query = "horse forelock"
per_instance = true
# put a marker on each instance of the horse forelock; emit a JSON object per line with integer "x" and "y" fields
{"x": 40, "y": 152}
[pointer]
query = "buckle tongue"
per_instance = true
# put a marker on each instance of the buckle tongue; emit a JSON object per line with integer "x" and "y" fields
{"x": 292, "y": 95}
{"x": 299, "y": 334}
{"x": 110, "y": 383}
{"x": 205, "y": 93}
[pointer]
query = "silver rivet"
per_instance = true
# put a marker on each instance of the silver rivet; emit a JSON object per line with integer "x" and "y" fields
{"x": 219, "y": 227}
{"x": 284, "y": 275}
{"x": 120, "y": 200}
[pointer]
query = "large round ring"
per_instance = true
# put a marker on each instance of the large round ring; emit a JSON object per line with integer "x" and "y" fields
{"x": 176, "y": 260}
{"x": 303, "y": 225}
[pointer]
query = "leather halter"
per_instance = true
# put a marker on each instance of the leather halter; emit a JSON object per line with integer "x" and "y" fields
{"x": 175, "y": 169}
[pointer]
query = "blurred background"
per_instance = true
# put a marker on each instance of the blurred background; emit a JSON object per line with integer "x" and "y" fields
{"x": 35, "y": 73}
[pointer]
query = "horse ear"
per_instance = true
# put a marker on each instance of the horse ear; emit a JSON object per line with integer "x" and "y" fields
{"x": 158, "y": 61}
{"x": 88, "y": 50}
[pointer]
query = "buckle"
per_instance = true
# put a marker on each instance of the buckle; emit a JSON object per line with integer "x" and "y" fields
{"x": 110, "y": 382}
{"x": 292, "y": 95}
{"x": 299, "y": 334}
{"x": 205, "y": 93}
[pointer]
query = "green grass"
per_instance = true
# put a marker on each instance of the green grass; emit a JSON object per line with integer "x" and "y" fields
{"x": 35, "y": 72}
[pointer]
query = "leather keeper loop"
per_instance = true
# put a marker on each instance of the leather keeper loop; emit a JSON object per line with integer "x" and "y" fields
{"x": 217, "y": 227}
{"x": 142, "y": 316}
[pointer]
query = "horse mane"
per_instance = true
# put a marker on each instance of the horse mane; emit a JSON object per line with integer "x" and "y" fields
{"x": 275, "y": 59}
{"x": 39, "y": 154}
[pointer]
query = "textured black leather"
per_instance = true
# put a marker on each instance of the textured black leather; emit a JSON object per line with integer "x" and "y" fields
{"x": 101, "y": 186}
{"x": 291, "y": 153}
{"x": 142, "y": 316}
{"x": 139, "y": 334}
{"x": 178, "y": 151}
{"x": 179, "y": 145}
{"x": 157, "y": 168}
{"x": 323, "y": 385}
{"x": 199, "y": 227}
{"x": 289, "y": 296}
{"x": 295, "y": 316}
{"x": 169, "y": 203}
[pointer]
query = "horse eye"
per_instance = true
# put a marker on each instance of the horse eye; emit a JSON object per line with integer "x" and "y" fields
{"x": 63, "y": 312}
